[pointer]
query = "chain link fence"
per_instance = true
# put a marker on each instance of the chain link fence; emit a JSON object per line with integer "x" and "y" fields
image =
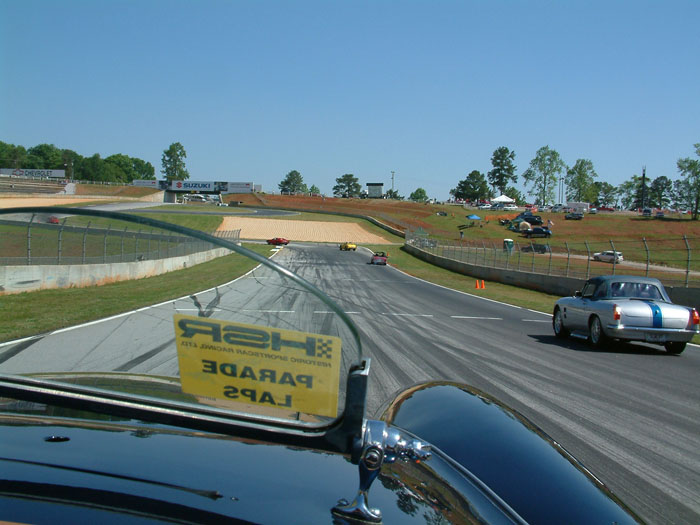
{"x": 674, "y": 261}
{"x": 34, "y": 243}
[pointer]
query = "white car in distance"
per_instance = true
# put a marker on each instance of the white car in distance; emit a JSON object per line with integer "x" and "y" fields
{"x": 608, "y": 256}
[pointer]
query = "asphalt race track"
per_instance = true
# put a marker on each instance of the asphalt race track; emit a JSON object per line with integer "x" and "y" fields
{"x": 631, "y": 414}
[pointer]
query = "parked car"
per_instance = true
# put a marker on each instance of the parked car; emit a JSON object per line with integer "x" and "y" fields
{"x": 646, "y": 212}
{"x": 537, "y": 232}
{"x": 628, "y": 308}
{"x": 510, "y": 207}
{"x": 484, "y": 206}
{"x": 608, "y": 256}
{"x": 216, "y": 407}
{"x": 534, "y": 220}
{"x": 379, "y": 258}
{"x": 347, "y": 246}
{"x": 277, "y": 241}
{"x": 659, "y": 214}
{"x": 593, "y": 211}
{"x": 574, "y": 216}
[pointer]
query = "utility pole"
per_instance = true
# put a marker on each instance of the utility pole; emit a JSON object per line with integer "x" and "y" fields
{"x": 392, "y": 182}
{"x": 561, "y": 190}
{"x": 644, "y": 178}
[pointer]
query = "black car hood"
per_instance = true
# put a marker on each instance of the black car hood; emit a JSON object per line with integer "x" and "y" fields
{"x": 74, "y": 469}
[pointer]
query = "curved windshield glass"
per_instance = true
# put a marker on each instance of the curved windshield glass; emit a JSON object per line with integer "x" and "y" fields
{"x": 143, "y": 305}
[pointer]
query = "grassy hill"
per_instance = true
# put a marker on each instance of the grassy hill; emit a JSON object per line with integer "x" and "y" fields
{"x": 630, "y": 232}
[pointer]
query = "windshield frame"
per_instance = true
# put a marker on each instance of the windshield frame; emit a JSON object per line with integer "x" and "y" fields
{"x": 333, "y": 435}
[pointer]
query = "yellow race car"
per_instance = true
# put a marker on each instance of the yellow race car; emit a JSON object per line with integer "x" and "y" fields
{"x": 347, "y": 246}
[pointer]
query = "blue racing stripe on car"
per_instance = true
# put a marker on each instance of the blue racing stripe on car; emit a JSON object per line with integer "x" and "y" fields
{"x": 657, "y": 318}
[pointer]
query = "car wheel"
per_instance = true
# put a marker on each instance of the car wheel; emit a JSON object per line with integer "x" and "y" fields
{"x": 596, "y": 336}
{"x": 674, "y": 347}
{"x": 558, "y": 324}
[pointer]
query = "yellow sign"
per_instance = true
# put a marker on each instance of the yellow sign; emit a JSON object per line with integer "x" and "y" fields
{"x": 259, "y": 365}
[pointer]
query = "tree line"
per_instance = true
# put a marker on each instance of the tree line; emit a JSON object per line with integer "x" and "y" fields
{"x": 117, "y": 168}
{"x": 547, "y": 171}
{"x": 347, "y": 186}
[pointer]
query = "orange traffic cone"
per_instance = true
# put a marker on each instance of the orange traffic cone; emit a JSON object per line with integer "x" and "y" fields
{"x": 483, "y": 285}
{"x": 476, "y": 286}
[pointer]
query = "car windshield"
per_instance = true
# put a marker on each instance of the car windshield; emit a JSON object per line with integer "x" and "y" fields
{"x": 197, "y": 319}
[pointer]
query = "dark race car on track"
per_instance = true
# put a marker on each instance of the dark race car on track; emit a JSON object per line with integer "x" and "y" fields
{"x": 219, "y": 407}
{"x": 378, "y": 258}
{"x": 536, "y": 248}
{"x": 627, "y": 308}
{"x": 277, "y": 241}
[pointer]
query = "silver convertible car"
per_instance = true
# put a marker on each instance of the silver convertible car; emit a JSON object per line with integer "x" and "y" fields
{"x": 626, "y": 307}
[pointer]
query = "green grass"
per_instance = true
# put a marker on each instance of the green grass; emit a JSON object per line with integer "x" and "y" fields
{"x": 207, "y": 223}
{"x": 661, "y": 240}
{"x": 31, "y": 313}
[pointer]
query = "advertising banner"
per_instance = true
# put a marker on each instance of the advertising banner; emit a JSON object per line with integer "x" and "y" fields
{"x": 52, "y": 174}
{"x": 240, "y": 187}
{"x": 192, "y": 185}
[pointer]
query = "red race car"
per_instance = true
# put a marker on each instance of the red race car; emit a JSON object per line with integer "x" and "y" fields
{"x": 52, "y": 220}
{"x": 278, "y": 241}
{"x": 379, "y": 258}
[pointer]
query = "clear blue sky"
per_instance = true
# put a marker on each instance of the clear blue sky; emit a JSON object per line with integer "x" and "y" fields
{"x": 427, "y": 89}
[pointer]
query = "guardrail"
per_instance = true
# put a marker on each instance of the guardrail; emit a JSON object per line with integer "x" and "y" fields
{"x": 670, "y": 260}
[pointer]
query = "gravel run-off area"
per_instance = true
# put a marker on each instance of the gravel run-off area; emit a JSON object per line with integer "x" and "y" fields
{"x": 314, "y": 231}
